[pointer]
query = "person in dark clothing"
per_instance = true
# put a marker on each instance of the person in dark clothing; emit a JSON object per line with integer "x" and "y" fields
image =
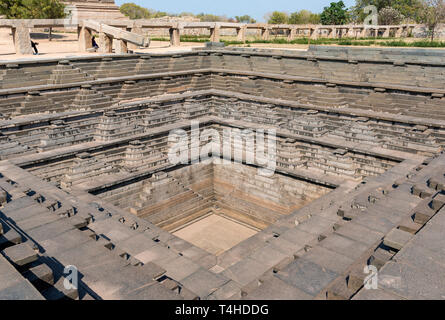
{"x": 94, "y": 43}
{"x": 34, "y": 46}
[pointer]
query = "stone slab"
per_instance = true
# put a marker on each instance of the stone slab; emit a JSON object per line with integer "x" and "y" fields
{"x": 412, "y": 283}
{"x": 328, "y": 259}
{"x": 21, "y": 254}
{"x": 204, "y": 283}
{"x": 245, "y": 271}
{"x": 40, "y": 276}
{"x": 344, "y": 246}
{"x": 229, "y": 290}
{"x": 307, "y": 276}
{"x": 397, "y": 238}
{"x": 22, "y": 290}
{"x": 276, "y": 289}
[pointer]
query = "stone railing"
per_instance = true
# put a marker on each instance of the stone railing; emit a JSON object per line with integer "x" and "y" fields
{"x": 133, "y": 31}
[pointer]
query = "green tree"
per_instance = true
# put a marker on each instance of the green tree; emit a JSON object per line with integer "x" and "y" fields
{"x": 335, "y": 14}
{"x": 245, "y": 19}
{"x": 278, "y": 17}
{"x": 431, "y": 14}
{"x": 33, "y": 9}
{"x": 206, "y": 17}
{"x": 409, "y": 9}
{"x": 133, "y": 11}
{"x": 304, "y": 17}
{"x": 12, "y": 9}
{"x": 158, "y": 14}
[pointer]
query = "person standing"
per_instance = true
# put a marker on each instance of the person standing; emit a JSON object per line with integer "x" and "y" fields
{"x": 34, "y": 46}
{"x": 94, "y": 43}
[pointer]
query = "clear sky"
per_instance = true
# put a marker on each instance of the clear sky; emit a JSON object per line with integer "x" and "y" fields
{"x": 255, "y": 8}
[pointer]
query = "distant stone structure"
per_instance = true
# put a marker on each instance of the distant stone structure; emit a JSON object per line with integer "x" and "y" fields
{"x": 96, "y": 9}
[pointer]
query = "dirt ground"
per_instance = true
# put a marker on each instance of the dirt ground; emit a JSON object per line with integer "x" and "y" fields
{"x": 64, "y": 45}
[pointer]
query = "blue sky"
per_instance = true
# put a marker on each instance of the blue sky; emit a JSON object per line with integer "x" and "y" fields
{"x": 231, "y": 8}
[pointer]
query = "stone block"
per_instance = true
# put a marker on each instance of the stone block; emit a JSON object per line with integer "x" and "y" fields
{"x": 359, "y": 233}
{"x": 3, "y": 197}
{"x": 423, "y": 212}
{"x": 153, "y": 270}
{"x": 328, "y": 259}
{"x": 438, "y": 202}
{"x": 379, "y": 257}
{"x": 396, "y": 239}
{"x": 339, "y": 290}
{"x": 409, "y": 282}
{"x": 307, "y": 276}
{"x": 179, "y": 268}
{"x": 22, "y": 39}
{"x": 59, "y": 292}
{"x": 227, "y": 291}
{"x": 158, "y": 254}
{"x": 410, "y": 226}
{"x": 268, "y": 256}
{"x": 156, "y": 291}
{"x": 187, "y": 294}
{"x": 245, "y": 271}
{"x": 344, "y": 246}
{"x": 356, "y": 278}
{"x": 10, "y": 237}
{"x": 204, "y": 283}
{"x": 275, "y": 289}
{"x": 40, "y": 276}
{"x": 21, "y": 254}
{"x": 171, "y": 285}
{"x": 22, "y": 290}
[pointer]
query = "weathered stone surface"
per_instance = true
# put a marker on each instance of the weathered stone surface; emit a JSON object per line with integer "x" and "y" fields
{"x": 276, "y": 289}
{"x": 345, "y": 246}
{"x": 328, "y": 259}
{"x": 307, "y": 276}
{"x": 204, "y": 283}
{"x": 40, "y": 276}
{"x": 245, "y": 271}
{"x": 397, "y": 238}
{"x": 377, "y": 294}
{"x": 21, "y": 254}
{"x": 88, "y": 178}
{"x": 22, "y": 290}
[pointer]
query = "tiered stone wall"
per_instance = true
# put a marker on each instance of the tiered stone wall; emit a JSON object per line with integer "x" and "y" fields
{"x": 81, "y": 160}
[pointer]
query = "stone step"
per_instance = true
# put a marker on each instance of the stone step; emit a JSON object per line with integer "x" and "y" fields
{"x": 21, "y": 254}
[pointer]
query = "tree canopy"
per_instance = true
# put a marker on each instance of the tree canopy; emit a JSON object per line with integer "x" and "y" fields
{"x": 133, "y": 11}
{"x": 245, "y": 19}
{"x": 407, "y": 8}
{"x": 304, "y": 17}
{"x": 277, "y": 17}
{"x": 335, "y": 14}
{"x": 32, "y": 9}
{"x": 432, "y": 13}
